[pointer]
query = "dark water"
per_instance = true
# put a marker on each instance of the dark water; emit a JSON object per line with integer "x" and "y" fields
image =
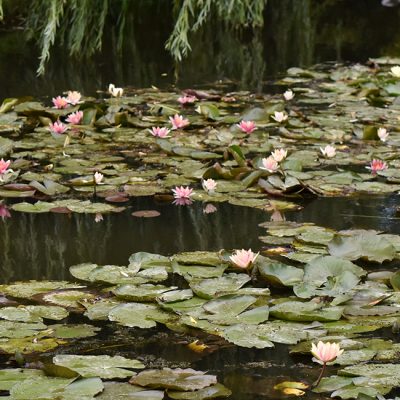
{"x": 43, "y": 246}
{"x": 295, "y": 33}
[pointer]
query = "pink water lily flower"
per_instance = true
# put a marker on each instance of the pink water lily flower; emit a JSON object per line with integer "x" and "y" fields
{"x": 209, "y": 185}
{"x": 377, "y": 165}
{"x": 4, "y": 166}
{"x": 279, "y": 155}
{"x": 325, "y": 352}
{"x": 75, "y": 118}
{"x": 243, "y": 258}
{"x": 58, "y": 128}
{"x": 178, "y": 121}
{"x": 247, "y": 126}
{"x": 187, "y": 99}
{"x": 74, "y": 97}
{"x": 60, "y": 102}
{"x": 159, "y": 132}
{"x": 181, "y": 192}
{"x": 269, "y": 164}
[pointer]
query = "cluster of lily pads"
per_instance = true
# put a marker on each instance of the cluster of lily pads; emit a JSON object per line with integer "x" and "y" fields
{"x": 319, "y": 137}
{"x": 320, "y": 288}
{"x": 334, "y": 132}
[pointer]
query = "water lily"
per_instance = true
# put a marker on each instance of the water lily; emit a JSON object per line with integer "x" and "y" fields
{"x": 247, "y": 126}
{"x": 159, "y": 132}
{"x": 288, "y": 95}
{"x": 97, "y": 177}
{"x": 181, "y": 192}
{"x": 383, "y": 134}
{"x": 279, "y": 154}
{"x": 279, "y": 116}
{"x": 75, "y": 118}
{"x": 377, "y": 165}
{"x": 115, "y": 91}
{"x": 324, "y": 353}
{"x": 74, "y": 97}
{"x": 395, "y": 71}
{"x": 209, "y": 185}
{"x": 269, "y": 164}
{"x": 178, "y": 121}
{"x": 57, "y": 129}
{"x": 4, "y": 166}
{"x": 60, "y": 102}
{"x": 187, "y": 99}
{"x": 328, "y": 151}
{"x": 243, "y": 258}
{"x": 209, "y": 209}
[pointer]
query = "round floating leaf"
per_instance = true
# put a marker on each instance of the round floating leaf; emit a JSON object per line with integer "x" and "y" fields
{"x": 213, "y": 392}
{"x": 125, "y": 391}
{"x": 138, "y": 314}
{"x": 280, "y": 274}
{"x": 209, "y": 288}
{"x": 365, "y": 244}
{"x": 146, "y": 292}
{"x": 10, "y": 377}
{"x": 298, "y": 311}
{"x": 28, "y": 289}
{"x": 105, "y": 367}
{"x": 177, "y": 379}
{"x": 68, "y": 298}
{"x": 73, "y": 331}
{"x": 28, "y": 345}
{"x": 146, "y": 214}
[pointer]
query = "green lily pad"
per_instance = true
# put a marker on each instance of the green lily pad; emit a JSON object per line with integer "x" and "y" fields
{"x": 125, "y": 391}
{"x": 176, "y": 379}
{"x": 105, "y": 367}
{"x": 213, "y": 392}
{"x": 138, "y": 314}
{"x": 366, "y": 245}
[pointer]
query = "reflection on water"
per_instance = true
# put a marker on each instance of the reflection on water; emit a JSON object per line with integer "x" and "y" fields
{"x": 295, "y": 33}
{"x": 43, "y": 246}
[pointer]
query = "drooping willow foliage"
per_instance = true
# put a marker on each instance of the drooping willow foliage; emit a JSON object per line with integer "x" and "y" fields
{"x": 80, "y": 25}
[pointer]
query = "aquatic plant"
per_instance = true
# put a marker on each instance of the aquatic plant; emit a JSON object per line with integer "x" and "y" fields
{"x": 115, "y": 91}
{"x": 288, "y": 95}
{"x": 325, "y": 353}
{"x": 178, "y": 122}
{"x": 4, "y": 166}
{"x": 75, "y": 118}
{"x": 377, "y": 165}
{"x": 247, "y": 126}
{"x": 243, "y": 258}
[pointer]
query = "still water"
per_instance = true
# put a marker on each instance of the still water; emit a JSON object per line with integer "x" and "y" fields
{"x": 44, "y": 246}
{"x": 295, "y": 33}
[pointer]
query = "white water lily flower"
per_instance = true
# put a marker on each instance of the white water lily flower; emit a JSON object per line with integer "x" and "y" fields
{"x": 395, "y": 71}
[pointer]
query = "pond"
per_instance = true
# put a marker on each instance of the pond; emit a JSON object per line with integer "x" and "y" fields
{"x": 145, "y": 255}
{"x": 44, "y": 246}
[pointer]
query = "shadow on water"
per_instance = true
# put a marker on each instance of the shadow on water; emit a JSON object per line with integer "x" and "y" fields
{"x": 43, "y": 246}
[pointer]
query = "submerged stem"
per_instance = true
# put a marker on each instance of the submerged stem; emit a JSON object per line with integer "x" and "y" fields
{"x": 320, "y": 375}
